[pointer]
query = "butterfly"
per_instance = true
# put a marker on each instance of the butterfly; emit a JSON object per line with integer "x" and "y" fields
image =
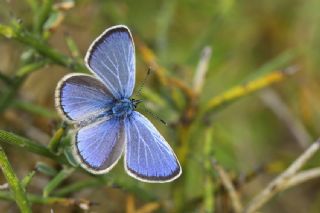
{"x": 103, "y": 113}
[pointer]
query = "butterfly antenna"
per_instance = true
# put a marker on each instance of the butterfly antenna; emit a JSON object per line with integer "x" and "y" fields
{"x": 138, "y": 93}
{"x": 154, "y": 115}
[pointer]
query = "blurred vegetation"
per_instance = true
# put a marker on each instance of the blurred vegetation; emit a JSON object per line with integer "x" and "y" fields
{"x": 237, "y": 83}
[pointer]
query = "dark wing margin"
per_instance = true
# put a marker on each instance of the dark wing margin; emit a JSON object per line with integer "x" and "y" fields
{"x": 148, "y": 157}
{"x": 99, "y": 146}
{"x": 79, "y": 97}
{"x": 111, "y": 57}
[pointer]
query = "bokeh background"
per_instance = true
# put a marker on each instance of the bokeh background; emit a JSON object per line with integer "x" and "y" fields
{"x": 254, "y": 137}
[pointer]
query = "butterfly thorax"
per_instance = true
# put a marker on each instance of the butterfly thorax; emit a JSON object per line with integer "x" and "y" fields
{"x": 122, "y": 108}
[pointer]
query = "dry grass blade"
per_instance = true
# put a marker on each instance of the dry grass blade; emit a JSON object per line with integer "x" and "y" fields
{"x": 297, "y": 129}
{"x": 202, "y": 69}
{"x": 285, "y": 179}
{"x": 227, "y": 182}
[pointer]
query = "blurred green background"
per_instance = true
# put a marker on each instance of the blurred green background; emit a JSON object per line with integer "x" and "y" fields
{"x": 254, "y": 135}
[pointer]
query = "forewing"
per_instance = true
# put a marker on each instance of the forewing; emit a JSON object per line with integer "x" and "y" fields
{"x": 148, "y": 157}
{"x": 80, "y": 97}
{"x": 112, "y": 58}
{"x": 99, "y": 146}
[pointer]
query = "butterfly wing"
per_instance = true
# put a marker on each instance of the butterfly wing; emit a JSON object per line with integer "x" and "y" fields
{"x": 148, "y": 157}
{"x": 99, "y": 146}
{"x": 81, "y": 97}
{"x": 111, "y": 57}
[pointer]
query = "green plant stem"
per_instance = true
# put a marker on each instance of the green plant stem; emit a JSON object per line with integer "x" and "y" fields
{"x": 208, "y": 194}
{"x": 62, "y": 175}
{"x": 57, "y": 57}
{"x": 29, "y": 145}
{"x": 15, "y": 186}
{"x": 41, "y": 200}
{"x": 41, "y": 47}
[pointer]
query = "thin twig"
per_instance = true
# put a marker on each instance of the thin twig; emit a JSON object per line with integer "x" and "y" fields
{"x": 302, "y": 177}
{"x": 227, "y": 182}
{"x": 284, "y": 180}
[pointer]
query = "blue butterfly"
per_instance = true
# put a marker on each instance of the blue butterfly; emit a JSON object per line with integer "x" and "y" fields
{"x": 106, "y": 123}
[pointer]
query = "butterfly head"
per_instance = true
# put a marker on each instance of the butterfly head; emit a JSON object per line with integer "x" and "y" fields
{"x": 124, "y": 107}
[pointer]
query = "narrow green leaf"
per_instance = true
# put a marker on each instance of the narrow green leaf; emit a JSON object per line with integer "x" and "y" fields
{"x": 46, "y": 169}
{"x": 56, "y": 139}
{"x": 29, "y": 68}
{"x": 75, "y": 52}
{"x": 69, "y": 156}
{"x": 43, "y": 15}
{"x": 27, "y": 179}
{"x": 56, "y": 181}
{"x": 29, "y": 145}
